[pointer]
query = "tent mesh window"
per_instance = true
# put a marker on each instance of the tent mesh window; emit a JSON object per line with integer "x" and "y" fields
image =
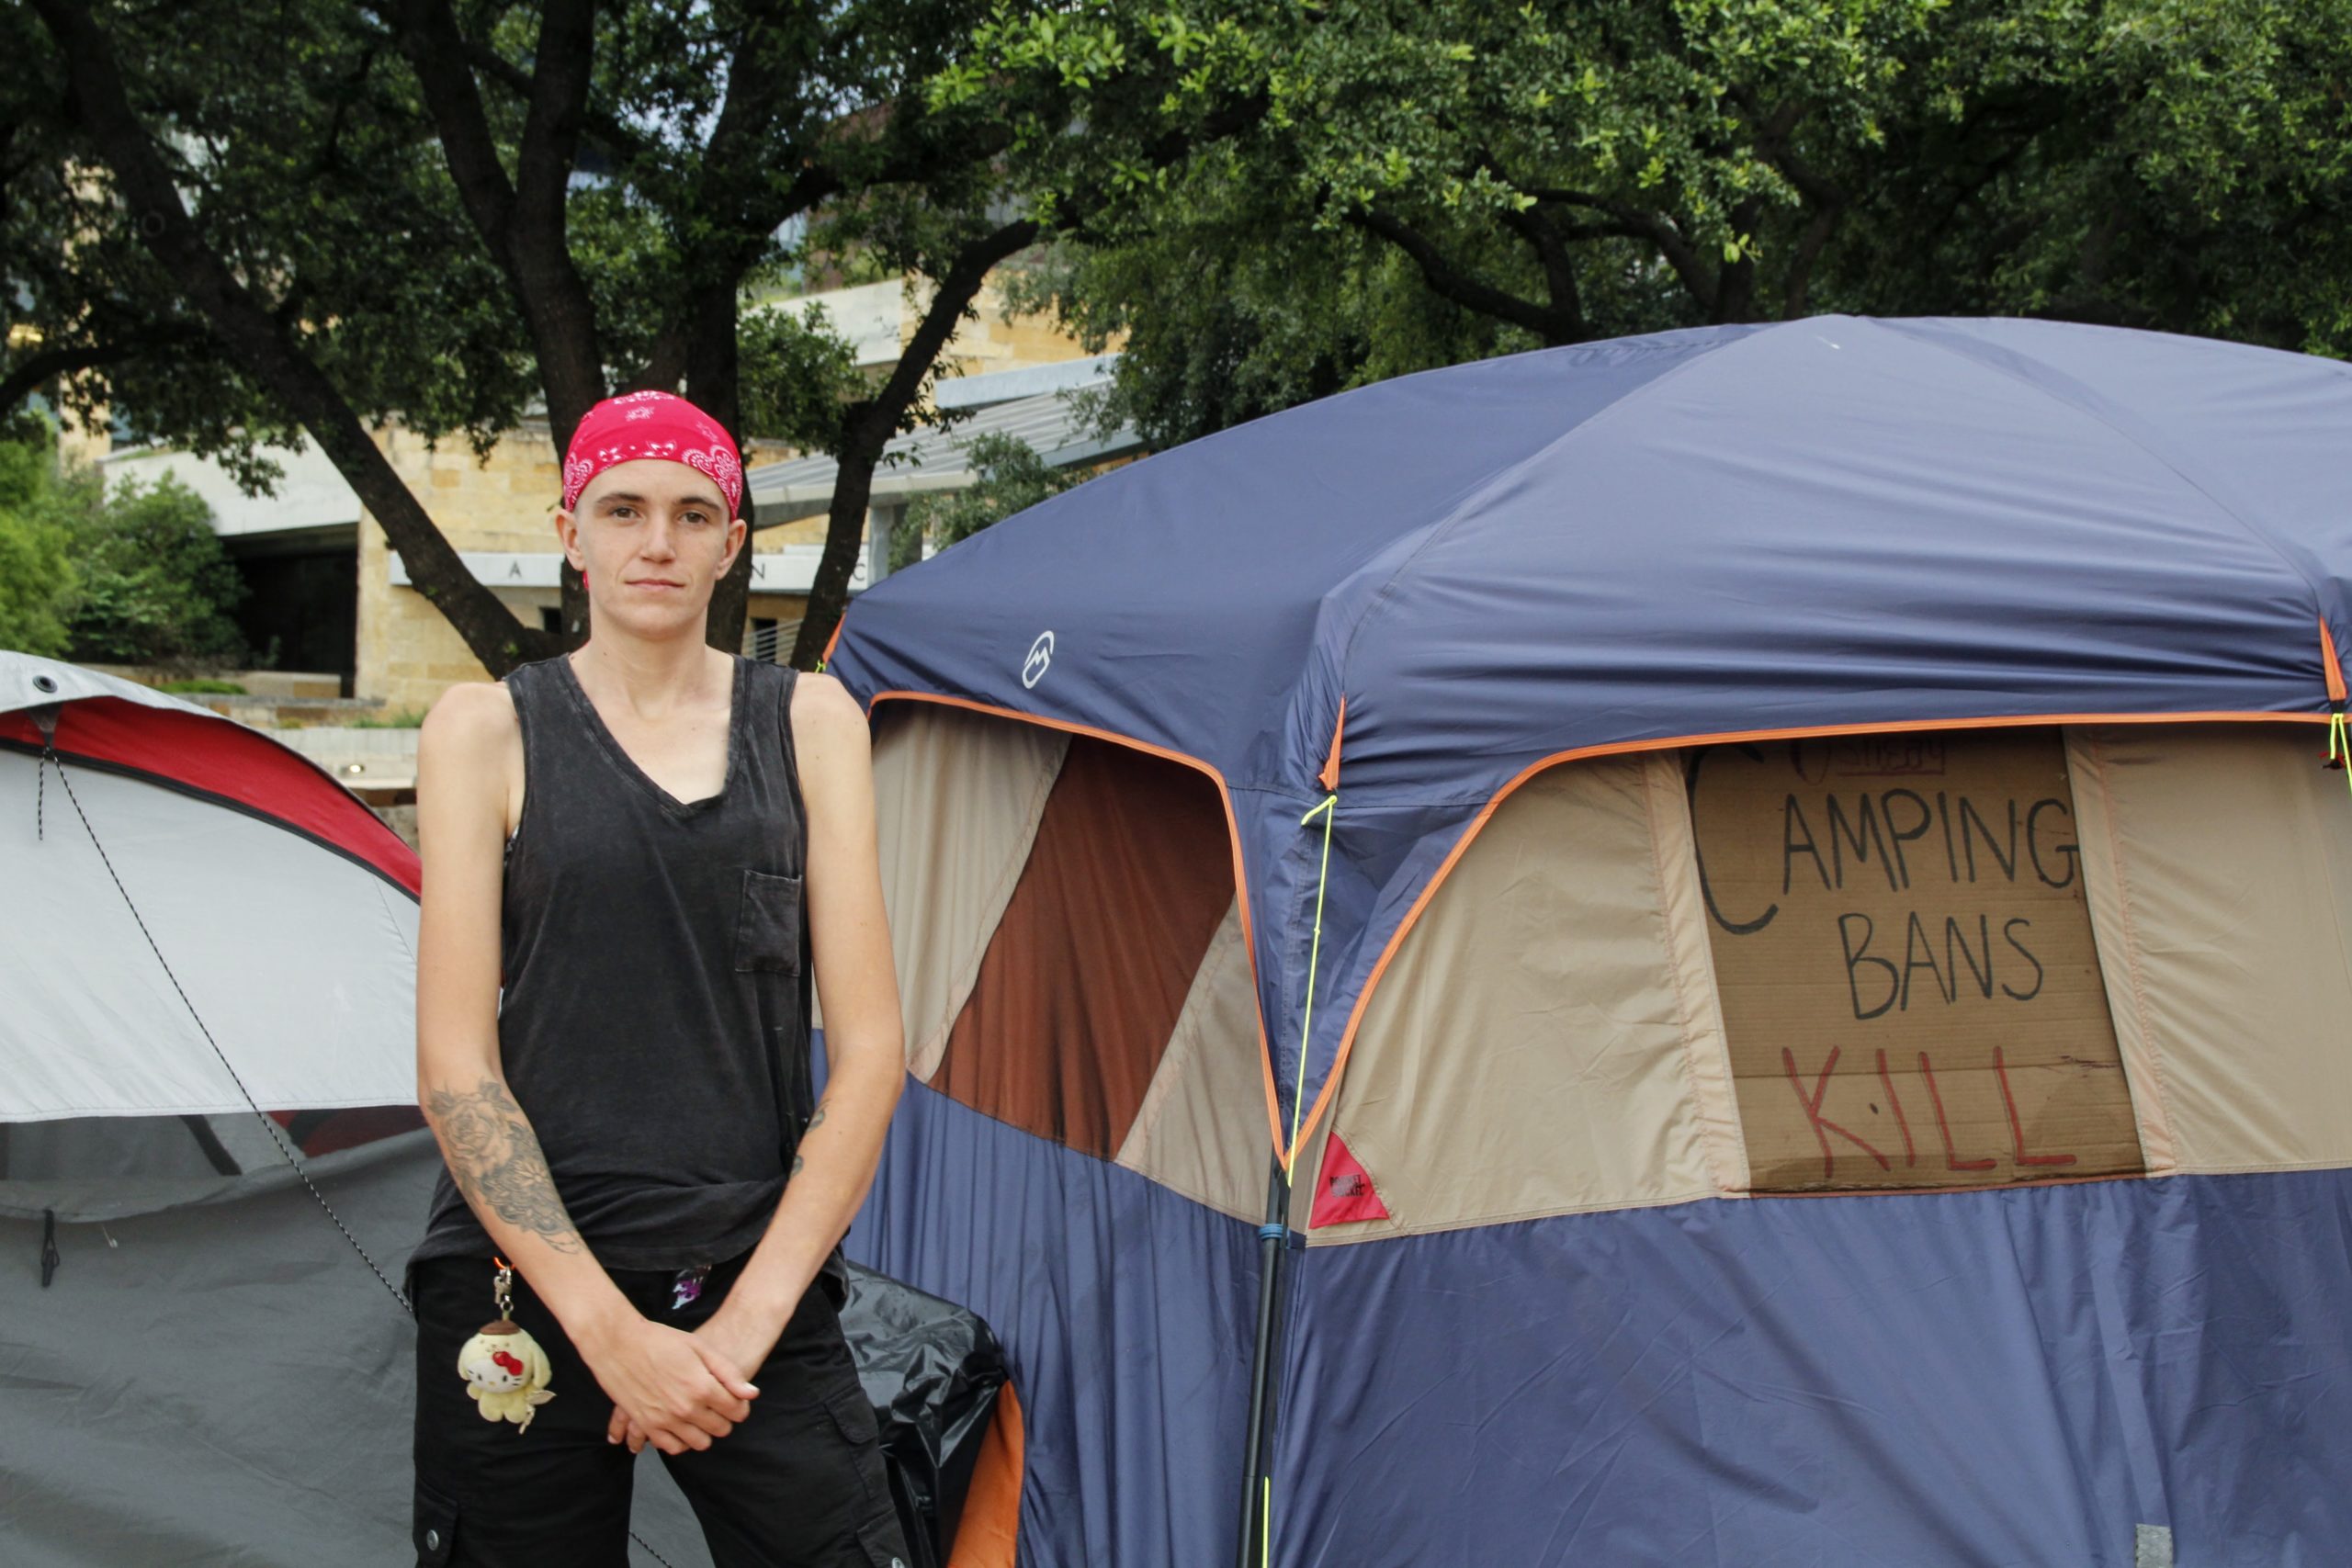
{"x": 1088, "y": 969}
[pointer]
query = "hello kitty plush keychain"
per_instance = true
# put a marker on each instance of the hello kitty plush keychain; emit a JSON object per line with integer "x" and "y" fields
{"x": 505, "y": 1370}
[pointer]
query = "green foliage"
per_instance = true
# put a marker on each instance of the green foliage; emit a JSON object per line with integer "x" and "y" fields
{"x": 134, "y": 577}
{"x": 1012, "y": 477}
{"x": 402, "y": 719}
{"x": 36, "y": 578}
{"x": 2180, "y": 164}
{"x": 796, "y": 370}
{"x": 1405, "y": 185}
{"x": 293, "y": 136}
{"x": 155, "y": 585}
{"x": 202, "y": 688}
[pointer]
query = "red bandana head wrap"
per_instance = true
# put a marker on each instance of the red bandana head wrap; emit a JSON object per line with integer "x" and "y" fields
{"x": 651, "y": 424}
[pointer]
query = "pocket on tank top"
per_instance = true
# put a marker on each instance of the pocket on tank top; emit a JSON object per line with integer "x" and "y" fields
{"x": 767, "y": 930}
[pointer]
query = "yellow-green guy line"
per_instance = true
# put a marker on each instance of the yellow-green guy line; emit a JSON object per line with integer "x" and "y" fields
{"x": 1314, "y": 958}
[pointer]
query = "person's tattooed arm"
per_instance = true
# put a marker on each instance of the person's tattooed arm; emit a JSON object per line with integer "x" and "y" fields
{"x": 814, "y": 1123}
{"x": 495, "y": 1159}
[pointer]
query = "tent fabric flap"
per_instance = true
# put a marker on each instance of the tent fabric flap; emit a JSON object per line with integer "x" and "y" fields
{"x": 2221, "y": 863}
{"x": 957, "y": 800}
{"x": 298, "y": 961}
{"x": 2024, "y": 1375}
{"x": 1090, "y": 965}
{"x": 1560, "y": 1005}
{"x": 1548, "y": 946}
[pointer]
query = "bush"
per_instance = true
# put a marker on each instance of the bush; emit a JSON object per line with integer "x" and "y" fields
{"x": 1008, "y": 478}
{"x": 155, "y": 585}
{"x": 37, "y": 578}
{"x": 137, "y": 577}
{"x": 202, "y": 688}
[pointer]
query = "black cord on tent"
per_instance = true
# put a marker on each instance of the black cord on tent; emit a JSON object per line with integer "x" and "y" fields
{"x": 45, "y": 720}
{"x": 49, "y": 1248}
{"x": 271, "y": 1127}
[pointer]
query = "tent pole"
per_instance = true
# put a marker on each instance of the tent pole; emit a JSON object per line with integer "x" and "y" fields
{"x": 1272, "y": 1236}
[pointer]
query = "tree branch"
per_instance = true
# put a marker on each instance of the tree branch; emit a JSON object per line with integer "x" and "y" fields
{"x": 615, "y": 137}
{"x": 264, "y": 349}
{"x": 33, "y": 373}
{"x": 1449, "y": 282}
{"x": 1826, "y": 201}
{"x": 1550, "y": 244}
{"x": 1735, "y": 279}
{"x": 522, "y": 223}
{"x": 867, "y": 423}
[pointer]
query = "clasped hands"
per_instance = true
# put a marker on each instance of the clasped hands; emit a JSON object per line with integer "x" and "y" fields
{"x": 675, "y": 1389}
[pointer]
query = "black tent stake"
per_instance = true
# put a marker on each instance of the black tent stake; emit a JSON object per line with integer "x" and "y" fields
{"x": 1272, "y": 1236}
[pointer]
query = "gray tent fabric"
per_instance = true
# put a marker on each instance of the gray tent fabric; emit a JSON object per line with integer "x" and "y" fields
{"x": 103, "y": 1168}
{"x": 301, "y": 957}
{"x": 220, "y": 1381}
{"x": 196, "y": 1367}
{"x": 26, "y": 680}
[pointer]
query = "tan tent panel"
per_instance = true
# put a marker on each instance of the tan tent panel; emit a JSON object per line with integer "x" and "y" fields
{"x": 1196, "y": 1132}
{"x": 1531, "y": 1051}
{"x": 1091, "y": 963}
{"x": 1071, "y": 954}
{"x": 1692, "y": 969}
{"x": 1905, "y": 963}
{"x": 957, "y": 797}
{"x": 2219, "y": 859}
{"x": 1570, "y": 944}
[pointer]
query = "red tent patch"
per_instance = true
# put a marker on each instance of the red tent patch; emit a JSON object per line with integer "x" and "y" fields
{"x": 1345, "y": 1191}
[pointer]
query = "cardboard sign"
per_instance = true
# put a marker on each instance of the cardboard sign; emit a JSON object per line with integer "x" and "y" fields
{"x": 1910, "y": 989}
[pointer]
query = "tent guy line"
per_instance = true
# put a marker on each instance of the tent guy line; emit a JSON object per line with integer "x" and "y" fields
{"x": 50, "y": 1258}
{"x": 276, "y": 1137}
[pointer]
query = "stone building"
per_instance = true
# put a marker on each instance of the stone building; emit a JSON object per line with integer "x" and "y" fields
{"x": 328, "y": 594}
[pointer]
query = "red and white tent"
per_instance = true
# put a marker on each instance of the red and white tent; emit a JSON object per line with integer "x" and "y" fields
{"x": 164, "y": 866}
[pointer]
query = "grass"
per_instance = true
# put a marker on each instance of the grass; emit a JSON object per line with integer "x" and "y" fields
{"x": 203, "y": 688}
{"x": 406, "y": 718}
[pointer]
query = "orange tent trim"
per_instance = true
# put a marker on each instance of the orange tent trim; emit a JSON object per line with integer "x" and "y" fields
{"x": 989, "y": 1529}
{"x": 1330, "y": 774}
{"x": 1283, "y": 1148}
{"x": 1232, "y": 827}
{"x": 1585, "y": 753}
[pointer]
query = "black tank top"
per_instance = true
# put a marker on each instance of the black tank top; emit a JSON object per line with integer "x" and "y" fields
{"x": 654, "y": 1024}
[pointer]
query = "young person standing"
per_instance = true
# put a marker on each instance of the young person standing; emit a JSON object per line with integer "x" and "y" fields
{"x": 636, "y": 860}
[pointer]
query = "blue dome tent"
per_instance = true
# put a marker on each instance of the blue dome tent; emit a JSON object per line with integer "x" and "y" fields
{"x": 1361, "y": 798}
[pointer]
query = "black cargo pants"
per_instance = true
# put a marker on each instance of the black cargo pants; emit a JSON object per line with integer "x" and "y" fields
{"x": 799, "y": 1485}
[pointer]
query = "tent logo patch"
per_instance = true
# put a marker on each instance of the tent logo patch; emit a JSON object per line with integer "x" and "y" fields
{"x": 1040, "y": 660}
{"x": 1346, "y": 1193}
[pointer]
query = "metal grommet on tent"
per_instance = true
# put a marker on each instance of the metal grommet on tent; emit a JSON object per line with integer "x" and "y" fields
{"x": 45, "y": 683}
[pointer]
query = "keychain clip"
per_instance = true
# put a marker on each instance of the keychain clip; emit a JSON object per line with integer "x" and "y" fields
{"x": 505, "y": 1371}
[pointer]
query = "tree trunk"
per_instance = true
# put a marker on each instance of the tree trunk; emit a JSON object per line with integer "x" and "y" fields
{"x": 264, "y": 350}
{"x": 715, "y": 384}
{"x": 866, "y": 425}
